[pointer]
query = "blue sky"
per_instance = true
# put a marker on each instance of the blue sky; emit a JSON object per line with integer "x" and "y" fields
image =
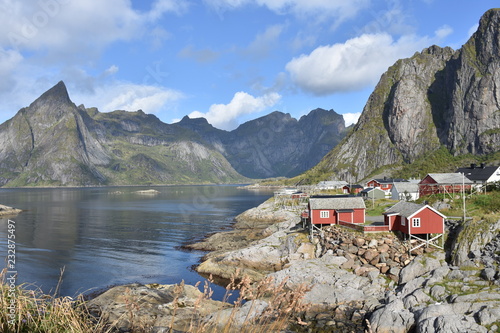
{"x": 226, "y": 60}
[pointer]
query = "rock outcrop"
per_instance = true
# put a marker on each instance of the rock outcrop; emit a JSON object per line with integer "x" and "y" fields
{"x": 8, "y": 211}
{"x": 437, "y": 98}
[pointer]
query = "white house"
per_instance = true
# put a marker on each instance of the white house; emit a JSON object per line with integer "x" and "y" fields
{"x": 407, "y": 191}
{"x": 481, "y": 174}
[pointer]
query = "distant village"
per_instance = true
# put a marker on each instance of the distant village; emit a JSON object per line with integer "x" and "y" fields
{"x": 417, "y": 222}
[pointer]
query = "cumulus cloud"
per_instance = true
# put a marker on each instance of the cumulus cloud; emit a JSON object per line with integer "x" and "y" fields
{"x": 132, "y": 97}
{"x": 225, "y": 116}
{"x": 264, "y": 43}
{"x": 355, "y": 64}
{"x": 319, "y": 9}
{"x": 351, "y": 118}
{"x": 70, "y": 28}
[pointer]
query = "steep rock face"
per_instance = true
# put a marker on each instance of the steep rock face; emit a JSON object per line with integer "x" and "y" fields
{"x": 275, "y": 144}
{"x": 438, "y": 97}
{"x": 49, "y": 143}
{"x": 54, "y": 142}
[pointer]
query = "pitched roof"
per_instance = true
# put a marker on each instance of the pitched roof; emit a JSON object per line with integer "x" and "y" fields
{"x": 388, "y": 180}
{"x": 337, "y": 203}
{"x": 407, "y": 209}
{"x": 406, "y": 187}
{"x": 479, "y": 173}
{"x": 369, "y": 189}
{"x": 353, "y": 186}
{"x": 449, "y": 178}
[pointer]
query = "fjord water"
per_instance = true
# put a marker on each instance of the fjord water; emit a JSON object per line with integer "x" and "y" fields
{"x": 114, "y": 235}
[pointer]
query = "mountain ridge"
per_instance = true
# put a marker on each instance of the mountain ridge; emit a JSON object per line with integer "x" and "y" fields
{"x": 53, "y": 142}
{"x": 438, "y": 98}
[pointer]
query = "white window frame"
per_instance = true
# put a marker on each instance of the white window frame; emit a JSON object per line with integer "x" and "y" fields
{"x": 324, "y": 214}
{"x": 403, "y": 221}
{"x": 415, "y": 222}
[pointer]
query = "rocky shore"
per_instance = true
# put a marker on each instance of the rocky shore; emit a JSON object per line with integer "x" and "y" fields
{"x": 7, "y": 211}
{"x": 355, "y": 282}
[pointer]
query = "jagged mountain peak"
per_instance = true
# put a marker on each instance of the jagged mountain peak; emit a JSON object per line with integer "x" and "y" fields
{"x": 57, "y": 94}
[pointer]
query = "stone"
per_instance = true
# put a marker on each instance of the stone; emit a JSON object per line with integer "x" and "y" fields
{"x": 370, "y": 254}
{"x": 373, "y": 243}
{"x": 383, "y": 248}
{"x": 488, "y": 274}
{"x": 438, "y": 291}
{"x": 392, "y": 318}
{"x": 418, "y": 267}
{"x": 359, "y": 242}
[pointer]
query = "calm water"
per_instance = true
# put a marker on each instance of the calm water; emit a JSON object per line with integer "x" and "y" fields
{"x": 113, "y": 235}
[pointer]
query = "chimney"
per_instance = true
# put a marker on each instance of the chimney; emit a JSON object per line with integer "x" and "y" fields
{"x": 483, "y": 165}
{"x": 473, "y": 166}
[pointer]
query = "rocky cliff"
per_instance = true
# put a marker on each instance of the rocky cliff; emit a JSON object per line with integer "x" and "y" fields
{"x": 53, "y": 142}
{"x": 437, "y": 98}
{"x": 275, "y": 144}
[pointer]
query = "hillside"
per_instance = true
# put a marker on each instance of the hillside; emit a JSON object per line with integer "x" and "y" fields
{"x": 439, "y": 100}
{"x": 53, "y": 142}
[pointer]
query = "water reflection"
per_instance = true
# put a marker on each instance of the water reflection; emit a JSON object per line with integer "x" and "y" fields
{"x": 106, "y": 236}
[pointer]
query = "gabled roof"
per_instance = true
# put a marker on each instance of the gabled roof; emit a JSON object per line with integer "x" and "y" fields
{"x": 369, "y": 189}
{"x": 408, "y": 209}
{"x": 353, "y": 186}
{"x": 387, "y": 180}
{"x": 337, "y": 203}
{"x": 449, "y": 178}
{"x": 481, "y": 173}
{"x": 406, "y": 187}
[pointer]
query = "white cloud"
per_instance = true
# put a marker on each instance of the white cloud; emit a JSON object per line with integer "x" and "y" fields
{"x": 264, "y": 43}
{"x": 351, "y": 118}
{"x": 472, "y": 30}
{"x": 69, "y": 29}
{"x": 355, "y": 64}
{"x": 132, "y": 97}
{"x": 319, "y": 9}
{"x": 444, "y": 32}
{"x": 225, "y": 116}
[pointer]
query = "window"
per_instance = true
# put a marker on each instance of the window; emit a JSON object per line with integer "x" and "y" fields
{"x": 403, "y": 221}
{"x": 416, "y": 222}
{"x": 324, "y": 214}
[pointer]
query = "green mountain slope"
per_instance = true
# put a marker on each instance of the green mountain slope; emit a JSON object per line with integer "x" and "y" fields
{"x": 439, "y": 104}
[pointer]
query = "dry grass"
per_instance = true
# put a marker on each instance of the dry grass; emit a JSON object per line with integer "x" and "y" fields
{"x": 36, "y": 312}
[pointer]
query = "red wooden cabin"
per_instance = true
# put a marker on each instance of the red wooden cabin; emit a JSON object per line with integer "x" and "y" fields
{"x": 384, "y": 184}
{"x": 331, "y": 210}
{"x": 435, "y": 183}
{"x": 414, "y": 219}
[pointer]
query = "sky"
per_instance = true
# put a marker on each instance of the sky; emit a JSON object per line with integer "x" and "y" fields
{"x": 229, "y": 61}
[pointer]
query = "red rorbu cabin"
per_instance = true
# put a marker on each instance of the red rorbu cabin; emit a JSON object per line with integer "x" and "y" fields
{"x": 331, "y": 210}
{"x": 384, "y": 184}
{"x": 435, "y": 183}
{"x": 411, "y": 218}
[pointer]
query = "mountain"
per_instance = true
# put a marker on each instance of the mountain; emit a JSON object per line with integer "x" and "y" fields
{"x": 53, "y": 142}
{"x": 439, "y": 99}
{"x": 275, "y": 144}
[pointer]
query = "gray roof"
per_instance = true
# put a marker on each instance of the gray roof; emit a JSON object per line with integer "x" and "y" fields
{"x": 406, "y": 187}
{"x": 480, "y": 173}
{"x": 404, "y": 208}
{"x": 337, "y": 203}
{"x": 449, "y": 178}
